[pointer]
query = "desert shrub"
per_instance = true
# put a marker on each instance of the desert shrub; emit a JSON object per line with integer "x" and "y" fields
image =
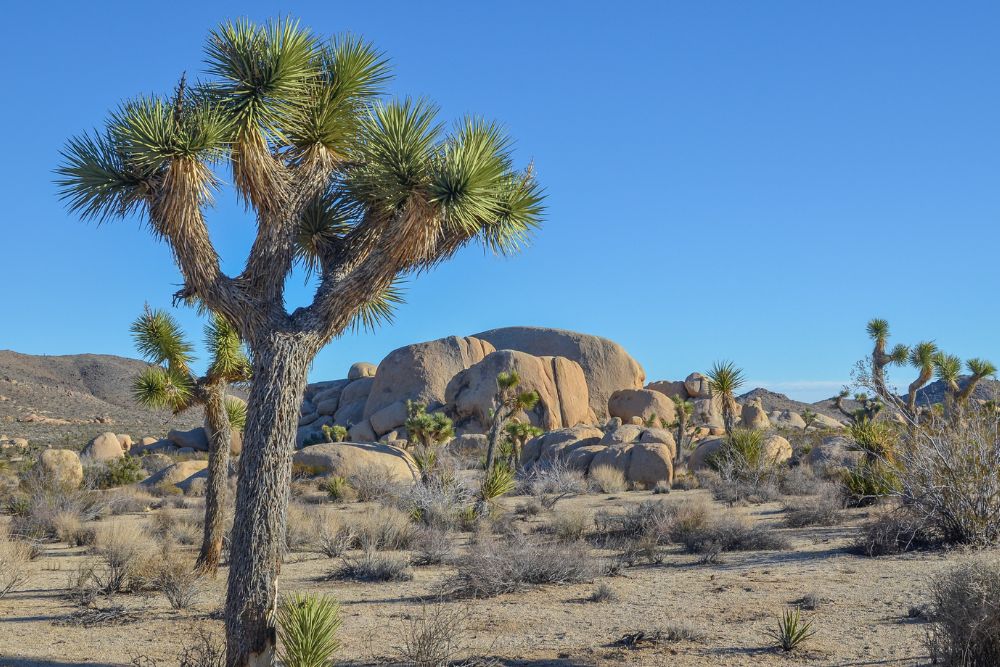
{"x": 334, "y": 433}
{"x": 791, "y": 630}
{"x": 606, "y": 479}
{"x": 120, "y": 472}
{"x": 301, "y": 526}
{"x": 196, "y": 487}
{"x": 123, "y": 549}
{"x": 811, "y": 601}
{"x": 436, "y": 503}
{"x": 307, "y": 628}
{"x": 15, "y": 557}
{"x": 433, "y": 546}
{"x": 154, "y": 462}
{"x": 551, "y": 482}
{"x": 823, "y": 509}
{"x": 372, "y": 482}
{"x": 47, "y": 500}
{"x": 206, "y": 651}
{"x": 964, "y": 615}
{"x": 434, "y": 637}
{"x": 497, "y": 566}
{"x": 338, "y": 490}
{"x": 498, "y": 481}
{"x": 661, "y": 488}
{"x": 374, "y": 566}
{"x": 685, "y": 482}
{"x": 176, "y": 578}
{"x": 799, "y": 481}
{"x": 531, "y": 507}
{"x": 869, "y": 481}
{"x": 128, "y": 501}
{"x": 729, "y": 533}
{"x": 648, "y": 520}
{"x": 603, "y": 593}
{"x": 895, "y": 531}
{"x": 570, "y": 526}
{"x": 745, "y": 472}
{"x": 332, "y": 538}
{"x": 383, "y": 528}
{"x": 176, "y": 527}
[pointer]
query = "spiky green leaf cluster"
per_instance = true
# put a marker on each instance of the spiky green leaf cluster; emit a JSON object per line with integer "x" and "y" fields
{"x": 236, "y": 412}
{"x": 229, "y": 361}
{"x": 158, "y": 387}
{"x": 878, "y": 329}
{"x": 307, "y": 627}
{"x": 725, "y": 378}
{"x": 160, "y": 340}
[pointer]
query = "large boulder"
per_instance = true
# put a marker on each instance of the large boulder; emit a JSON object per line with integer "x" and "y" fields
{"x": 357, "y": 390}
{"x": 560, "y": 444}
{"x": 559, "y": 382}
{"x": 643, "y": 403}
{"x": 344, "y": 458}
{"x": 421, "y": 372}
{"x": 197, "y": 439}
{"x": 787, "y": 419}
{"x": 708, "y": 411}
{"x": 606, "y": 365}
{"x": 175, "y": 474}
{"x": 705, "y": 450}
{"x": 777, "y": 449}
{"x": 754, "y": 416}
{"x": 62, "y": 466}
{"x": 834, "y": 451}
{"x": 650, "y": 463}
{"x": 827, "y": 422}
{"x": 388, "y": 418}
{"x": 669, "y": 388}
{"x": 105, "y": 447}
{"x": 697, "y": 386}
{"x": 361, "y": 369}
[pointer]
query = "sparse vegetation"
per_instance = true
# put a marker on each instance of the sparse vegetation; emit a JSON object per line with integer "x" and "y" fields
{"x": 374, "y": 566}
{"x": 606, "y": 479}
{"x": 792, "y": 630}
{"x": 15, "y": 557}
{"x": 822, "y": 509}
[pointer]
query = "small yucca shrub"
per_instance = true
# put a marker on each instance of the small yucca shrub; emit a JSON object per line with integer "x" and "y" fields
{"x": 792, "y": 630}
{"x": 307, "y": 626}
{"x": 338, "y": 490}
{"x": 497, "y": 482}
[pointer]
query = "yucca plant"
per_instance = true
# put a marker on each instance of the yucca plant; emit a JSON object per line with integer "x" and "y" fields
{"x": 428, "y": 432}
{"x": 307, "y": 627}
{"x": 724, "y": 380}
{"x": 876, "y": 439}
{"x": 170, "y": 383}
{"x": 337, "y": 179}
{"x": 809, "y": 417}
{"x": 497, "y": 481}
{"x": 792, "y": 630}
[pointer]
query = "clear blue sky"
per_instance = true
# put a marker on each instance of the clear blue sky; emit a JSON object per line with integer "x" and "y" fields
{"x": 744, "y": 180}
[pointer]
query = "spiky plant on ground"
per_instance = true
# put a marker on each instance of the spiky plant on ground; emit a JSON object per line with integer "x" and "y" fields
{"x": 360, "y": 190}
{"x": 724, "y": 380}
{"x": 170, "y": 383}
{"x": 792, "y": 630}
{"x": 307, "y": 625}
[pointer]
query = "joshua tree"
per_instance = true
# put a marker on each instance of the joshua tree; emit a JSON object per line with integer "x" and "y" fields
{"x": 948, "y": 369}
{"x": 429, "y": 432}
{"x": 809, "y": 417}
{"x": 359, "y": 190}
{"x": 171, "y": 384}
{"x": 868, "y": 407}
{"x": 334, "y": 433}
{"x": 979, "y": 369}
{"x": 724, "y": 380}
{"x": 507, "y": 403}
{"x": 878, "y": 331}
{"x": 922, "y": 358}
{"x": 684, "y": 409}
{"x": 517, "y": 433}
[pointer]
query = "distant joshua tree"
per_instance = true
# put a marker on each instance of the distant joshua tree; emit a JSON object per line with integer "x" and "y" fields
{"x": 878, "y": 331}
{"x": 517, "y": 433}
{"x": 724, "y": 380}
{"x": 809, "y": 417}
{"x": 506, "y": 404}
{"x": 922, "y": 357}
{"x": 171, "y": 384}
{"x": 334, "y": 177}
{"x": 948, "y": 369}
{"x": 684, "y": 409}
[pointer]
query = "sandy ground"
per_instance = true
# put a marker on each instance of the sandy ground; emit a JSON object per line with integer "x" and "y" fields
{"x": 861, "y": 621}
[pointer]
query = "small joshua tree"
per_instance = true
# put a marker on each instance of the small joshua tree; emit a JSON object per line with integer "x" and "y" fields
{"x": 948, "y": 369}
{"x": 517, "y": 433}
{"x": 170, "y": 383}
{"x": 507, "y": 403}
{"x": 922, "y": 357}
{"x": 724, "y": 380}
{"x": 684, "y": 409}
{"x": 809, "y": 417}
{"x": 428, "y": 431}
{"x": 335, "y": 433}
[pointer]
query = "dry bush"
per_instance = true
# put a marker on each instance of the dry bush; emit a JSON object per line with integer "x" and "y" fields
{"x": 895, "y": 531}
{"x": 128, "y": 500}
{"x": 603, "y": 593}
{"x": 606, "y": 479}
{"x": 551, "y": 482}
{"x": 728, "y": 533}
{"x": 383, "y": 528}
{"x": 47, "y": 500}
{"x": 744, "y": 471}
{"x": 649, "y": 520}
{"x": 497, "y": 566}
{"x": 436, "y": 502}
{"x": 434, "y": 638}
{"x": 965, "y": 615}
{"x": 728, "y": 487}
{"x": 570, "y": 526}
{"x": 124, "y": 549}
{"x": 15, "y": 557}
{"x": 433, "y": 546}
{"x": 332, "y": 538}
{"x": 177, "y": 527}
{"x": 823, "y": 509}
{"x": 302, "y": 524}
{"x": 374, "y": 566}
{"x": 800, "y": 481}
{"x": 176, "y": 578}
{"x": 372, "y": 482}
{"x": 685, "y": 482}
{"x": 68, "y": 528}
{"x": 196, "y": 488}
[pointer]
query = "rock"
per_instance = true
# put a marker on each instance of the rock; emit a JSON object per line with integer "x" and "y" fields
{"x": 175, "y": 474}
{"x": 362, "y": 433}
{"x": 559, "y": 382}
{"x": 833, "y": 452}
{"x": 708, "y": 411}
{"x": 617, "y": 457}
{"x": 308, "y": 418}
{"x": 147, "y": 441}
{"x": 669, "y": 388}
{"x": 388, "y": 418}
{"x": 155, "y": 462}
{"x": 787, "y": 419}
{"x": 343, "y": 458}
{"x": 659, "y": 436}
{"x": 104, "y": 447}
{"x": 196, "y": 438}
{"x": 636, "y": 421}
{"x": 705, "y": 449}
{"x": 349, "y": 414}
{"x": 357, "y": 391}
{"x": 825, "y": 422}
{"x": 606, "y": 366}
{"x": 313, "y": 432}
{"x": 187, "y": 485}
{"x": 754, "y": 416}
{"x": 361, "y": 369}
{"x": 421, "y": 372}
{"x": 645, "y": 404}
{"x": 777, "y": 449}
{"x": 623, "y": 435}
{"x": 696, "y": 385}
{"x": 125, "y": 441}
{"x": 152, "y": 447}
{"x": 62, "y": 466}
{"x": 559, "y": 444}
{"x": 469, "y": 444}
{"x": 582, "y": 457}
{"x": 186, "y": 451}
{"x": 328, "y": 406}
{"x": 307, "y": 407}
{"x": 650, "y": 463}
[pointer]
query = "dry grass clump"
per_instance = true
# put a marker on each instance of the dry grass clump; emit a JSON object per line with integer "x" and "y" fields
{"x": 302, "y": 525}
{"x": 332, "y": 538}
{"x": 570, "y": 526}
{"x": 893, "y": 532}
{"x": 372, "y": 482}
{"x": 438, "y": 502}
{"x": 129, "y": 500}
{"x": 44, "y": 502}
{"x": 685, "y": 482}
{"x": 497, "y": 566}
{"x": 730, "y": 488}
{"x": 374, "y": 566}
{"x": 728, "y": 533}
{"x": 965, "y": 616}
{"x": 179, "y": 527}
{"x": 800, "y": 481}
{"x": 383, "y": 528}
{"x": 125, "y": 552}
{"x": 603, "y": 593}
{"x": 176, "y": 578}
{"x": 433, "y": 546}
{"x": 338, "y": 490}
{"x": 823, "y": 509}
{"x": 551, "y": 482}
{"x": 433, "y": 638}
{"x": 15, "y": 557}
{"x": 606, "y": 479}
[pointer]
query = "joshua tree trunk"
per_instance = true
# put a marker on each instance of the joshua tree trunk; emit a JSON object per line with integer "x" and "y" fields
{"x": 911, "y": 395}
{"x": 280, "y": 366}
{"x": 728, "y": 414}
{"x": 219, "y": 434}
{"x": 682, "y": 420}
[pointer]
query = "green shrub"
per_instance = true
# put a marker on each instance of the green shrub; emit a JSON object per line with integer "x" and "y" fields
{"x": 307, "y": 628}
{"x": 338, "y": 490}
{"x": 121, "y": 472}
{"x": 334, "y": 433}
{"x": 792, "y": 630}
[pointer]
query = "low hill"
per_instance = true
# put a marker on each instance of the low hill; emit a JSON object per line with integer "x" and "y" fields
{"x": 772, "y": 400}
